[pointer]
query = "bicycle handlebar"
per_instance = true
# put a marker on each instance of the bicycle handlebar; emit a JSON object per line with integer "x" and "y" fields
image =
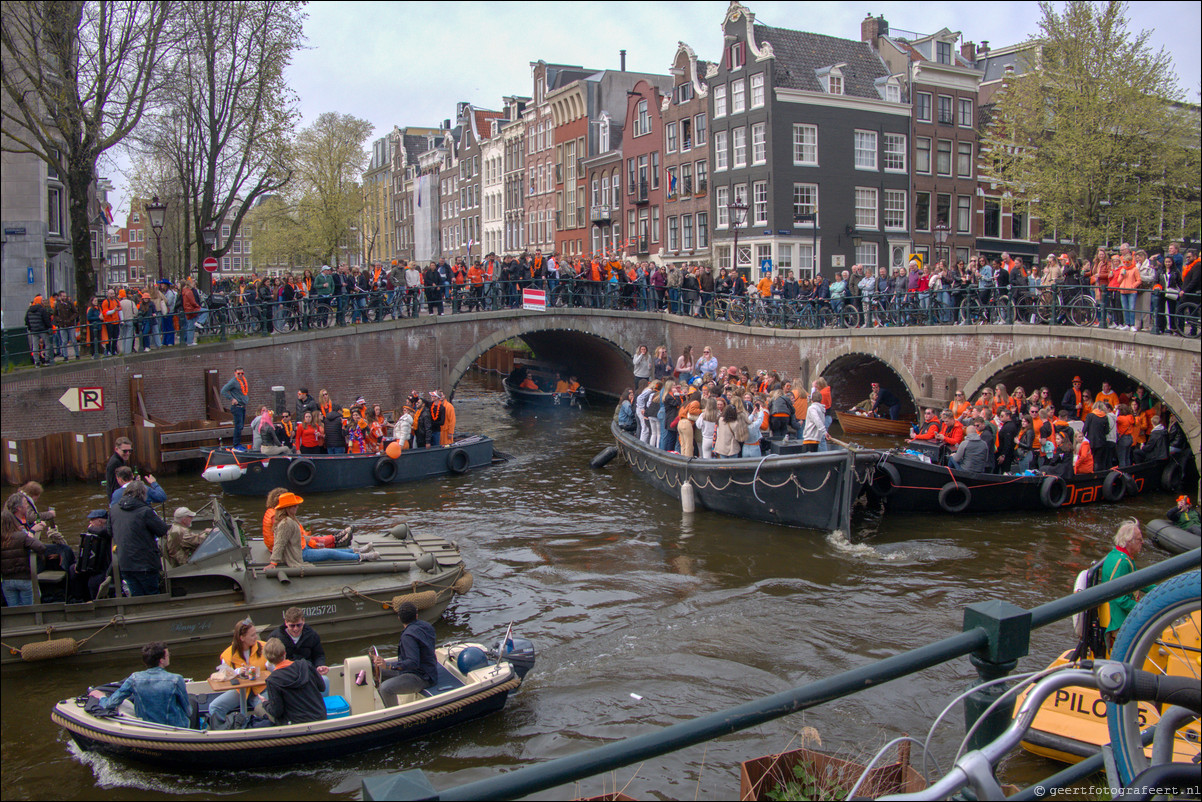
{"x": 1120, "y": 683}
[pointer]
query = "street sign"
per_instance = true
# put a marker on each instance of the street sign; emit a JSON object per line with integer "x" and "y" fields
{"x": 83, "y": 399}
{"x": 210, "y": 264}
{"x": 766, "y": 265}
{"x": 534, "y": 299}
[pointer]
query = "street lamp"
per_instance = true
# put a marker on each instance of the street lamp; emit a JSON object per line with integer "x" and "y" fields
{"x": 158, "y": 213}
{"x": 208, "y": 236}
{"x": 941, "y": 232}
{"x": 738, "y": 213}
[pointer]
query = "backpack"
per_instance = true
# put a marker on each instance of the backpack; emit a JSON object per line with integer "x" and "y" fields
{"x": 1091, "y": 635}
{"x": 90, "y": 548}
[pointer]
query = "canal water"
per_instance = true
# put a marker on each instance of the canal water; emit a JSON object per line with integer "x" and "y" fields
{"x": 642, "y": 617}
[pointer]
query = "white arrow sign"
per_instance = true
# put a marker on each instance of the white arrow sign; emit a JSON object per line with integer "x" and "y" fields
{"x": 83, "y": 399}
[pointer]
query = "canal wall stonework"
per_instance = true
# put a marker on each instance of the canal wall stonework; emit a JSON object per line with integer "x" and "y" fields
{"x": 385, "y": 361}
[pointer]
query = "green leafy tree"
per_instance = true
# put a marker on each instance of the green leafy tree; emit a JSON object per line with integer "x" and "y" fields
{"x": 330, "y": 156}
{"x": 1091, "y": 129}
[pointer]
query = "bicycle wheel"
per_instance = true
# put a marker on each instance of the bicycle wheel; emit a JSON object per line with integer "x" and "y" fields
{"x": 1045, "y": 307}
{"x": 1185, "y": 320}
{"x": 1161, "y": 635}
{"x": 323, "y": 315}
{"x": 1083, "y": 312}
{"x": 735, "y": 312}
{"x": 850, "y": 317}
{"x": 970, "y": 310}
{"x": 1000, "y": 312}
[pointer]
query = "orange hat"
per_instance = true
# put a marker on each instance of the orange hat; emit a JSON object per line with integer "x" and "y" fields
{"x": 1183, "y": 498}
{"x": 289, "y": 500}
{"x": 37, "y": 299}
{"x": 1076, "y": 379}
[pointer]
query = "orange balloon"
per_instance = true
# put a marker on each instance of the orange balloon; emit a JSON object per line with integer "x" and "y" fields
{"x": 393, "y": 450}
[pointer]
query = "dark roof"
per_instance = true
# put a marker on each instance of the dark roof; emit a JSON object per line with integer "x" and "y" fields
{"x": 559, "y": 75}
{"x": 799, "y": 54}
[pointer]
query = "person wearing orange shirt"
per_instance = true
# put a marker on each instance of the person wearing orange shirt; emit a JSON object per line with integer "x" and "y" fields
{"x": 928, "y": 429}
{"x": 528, "y": 384}
{"x": 447, "y": 433}
{"x": 1125, "y": 429}
{"x": 959, "y": 407}
{"x": 951, "y": 430}
{"x": 475, "y": 280}
{"x": 1108, "y": 395}
{"x": 110, "y": 313}
{"x": 1083, "y": 457}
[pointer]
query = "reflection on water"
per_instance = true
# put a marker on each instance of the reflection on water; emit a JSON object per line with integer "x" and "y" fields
{"x": 624, "y": 596}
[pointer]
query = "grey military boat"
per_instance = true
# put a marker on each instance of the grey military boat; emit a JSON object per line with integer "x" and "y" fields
{"x": 227, "y": 579}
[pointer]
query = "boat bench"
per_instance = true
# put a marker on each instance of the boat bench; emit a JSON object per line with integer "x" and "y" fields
{"x": 446, "y": 682}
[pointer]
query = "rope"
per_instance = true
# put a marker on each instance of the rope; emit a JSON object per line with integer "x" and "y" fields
{"x": 645, "y": 466}
{"x": 414, "y": 595}
{"x": 52, "y": 648}
{"x": 242, "y": 743}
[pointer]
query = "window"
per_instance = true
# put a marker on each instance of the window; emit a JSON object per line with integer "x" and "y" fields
{"x": 895, "y": 153}
{"x": 597, "y": 191}
{"x": 894, "y": 210}
{"x": 686, "y": 179}
{"x": 617, "y": 196}
{"x": 784, "y": 256}
{"x": 805, "y": 144}
{"x": 943, "y": 157}
{"x": 866, "y": 255}
{"x": 722, "y": 202}
{"x": 702, "y": 176}
{"x": 642, "y": 122}
{"x": 673, "y": 183}
{"x": 740, "y": 196}
{"x": 759, "y": 201}
{"x": 922, "y": 155}
{"x": 684, "y": 93}
{"x": 964, "y": 160}
{"x": 739, "y": 141}
{"x": 805, "y": 202}
{"x": 943, "y": 210}
{"x": 757, "y": 90}
{"x": 673, "y": 234}
{"x": 237, "y": 263}
{"x": 866, "y": 207}
{"x": 993, "y": 218}
{"x": 686, "y": 137}
{"x": 945, "y": 110}
{"x": 719, "y": 101}
{"x": 865, "y": 150}
{"x": 735, "y": 56}
{"x": 834, "y": 83}
{"x": 655, "y": 224}
{"x": 738, "y": 97}
{"x": 703, "y": 230}
{"x": 943, "y": 52}
{"x": 1018, "y": 224}
{"x": 225, "y": 263}
{"x": 237, "y": 246}
{"x": 892, "y": 93}
{"x": 922, "y": 211}
{"x": 655, "y": 169}
{"x": 54, "y": 210}
{"x": 759, "y": 145}
{"x": 964, "y": 214}
{"x": 922, "y": 106}
{"x": 631, "y": 175}
{"x": 965, "y": 112}
{"x": 806, "y": 260}
{"x": 225, "y": 232}
{"x": 686, "y": 232}
{"x": 699, "y": 129}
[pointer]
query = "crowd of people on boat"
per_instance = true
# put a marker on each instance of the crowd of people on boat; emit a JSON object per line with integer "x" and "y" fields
{"x": 1133, "y": 289}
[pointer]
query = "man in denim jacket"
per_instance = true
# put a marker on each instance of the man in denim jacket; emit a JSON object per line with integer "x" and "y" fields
{"x": 159, "y": 695}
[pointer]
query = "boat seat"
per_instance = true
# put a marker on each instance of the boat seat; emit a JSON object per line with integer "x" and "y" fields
{"x": 362, "y": 698}
{"x": 446, "y": 682}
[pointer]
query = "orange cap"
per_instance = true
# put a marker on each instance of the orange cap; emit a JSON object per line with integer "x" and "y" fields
{"x": 289, "y": 500}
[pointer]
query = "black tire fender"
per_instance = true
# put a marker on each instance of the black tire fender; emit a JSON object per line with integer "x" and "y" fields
{"x": 954, "y": 497}
{"x": 602, "y": 459}
{"x": 458, "y": 460}
{"x": 885, "y": 479}
{"x": 301, "y": 472}
{"x": 385, "y": 470}
{"x": 1171, "y": 476}
{"x": 1053, "y": 492}
{"x": 1114, "y": 486}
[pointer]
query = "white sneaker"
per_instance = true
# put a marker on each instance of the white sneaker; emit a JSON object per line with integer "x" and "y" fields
{"x": 369, "y": 556}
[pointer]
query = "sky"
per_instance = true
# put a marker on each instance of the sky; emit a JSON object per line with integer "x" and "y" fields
{"x": 399, "y": 63}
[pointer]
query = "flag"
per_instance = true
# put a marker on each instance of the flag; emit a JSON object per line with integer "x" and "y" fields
{"x": 419, "y": 194}
{"x": 671, "y": 183}
{"x": 108, "y": 213}
{"x": 470, "y": 243}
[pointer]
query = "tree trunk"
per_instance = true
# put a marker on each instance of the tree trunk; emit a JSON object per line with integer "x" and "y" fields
{"x": 79, "y": 183}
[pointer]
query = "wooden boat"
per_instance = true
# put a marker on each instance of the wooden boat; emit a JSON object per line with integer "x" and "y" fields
{"x": 228, "y": 579}
{"x": 1172, "y": 538}
{"x": 909, "y": 484}
{"x": 811, "y": 491}
{"x": 866, "y": 424}
{"x": 250, "y": 473}
{"x": 543, "y": 400}
{"x": 466, "y": 689}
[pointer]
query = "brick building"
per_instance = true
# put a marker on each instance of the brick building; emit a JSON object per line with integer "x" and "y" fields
{"x": 642, "y": 152}
{"x": 686, "y": 161}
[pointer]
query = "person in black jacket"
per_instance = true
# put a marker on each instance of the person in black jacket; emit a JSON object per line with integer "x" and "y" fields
{"x": 335, "y": 434}
{"x": 1006, "y": 434}
{"x": 432, "y": 283}
{"x": 305, "y": 403}
{"x": 301, "y": 641}
{"x": 136, "y": 529}
{"x": 1157, "y": 445}
{"x": 40, "y": 328}
{"x": 1096, "y": 431}
{"x": 294, "y": 689}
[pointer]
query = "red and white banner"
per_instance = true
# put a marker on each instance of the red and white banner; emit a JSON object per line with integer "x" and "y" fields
{"x": 534, "y": 299}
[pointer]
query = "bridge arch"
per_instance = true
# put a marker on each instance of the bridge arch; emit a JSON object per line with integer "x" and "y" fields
{"x": 848, "y": 355}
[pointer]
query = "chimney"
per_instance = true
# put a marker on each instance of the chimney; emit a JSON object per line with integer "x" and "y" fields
{"x": 984, "y": 48}
{"x": 969, "y": 51}
{"x": 622, "y": 60}
{"x": 872, "y": 28}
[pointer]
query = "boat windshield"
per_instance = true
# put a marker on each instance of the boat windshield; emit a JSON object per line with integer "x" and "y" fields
{"x": 217, "y": 543}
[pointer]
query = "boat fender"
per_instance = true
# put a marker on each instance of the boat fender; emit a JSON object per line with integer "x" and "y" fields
{"x": 422, "y": 600}
{"x": 470, "y": 659}
{"x": 884, "y": 479}
{"x": 1131, "y": 485}
{"x": 400, "y": 531}
{"x": 688, "y": 502}
{"x": 301, "y": 472}
{"x": 463, "y": 584}
{"x": 1053, "y": 491}
{"x": 954, "y": 497}
{"x": 1170, "y": 477}
{"x": 602, "y": 459}
{"x": 222, "y": 473}
{"x": 458, "y": 460}
{"x": 384, "y": 470}
{"x": 49, "y": 649}
{"x": 1114, "y": 486}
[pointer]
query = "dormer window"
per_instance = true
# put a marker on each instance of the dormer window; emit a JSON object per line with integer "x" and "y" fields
{"x": 943, "y": 52}
{"x": 834, "y": 84}
{"x": 892, "y": 93}
{"x": 736, "y": 56}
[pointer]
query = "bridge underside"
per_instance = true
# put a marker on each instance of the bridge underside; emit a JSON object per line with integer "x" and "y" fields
{"x": 601, "y": 366}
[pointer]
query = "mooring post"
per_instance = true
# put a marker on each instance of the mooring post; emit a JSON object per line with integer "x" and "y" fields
{"x": 278, "y": 391}
{"x": 1009, "y": 630}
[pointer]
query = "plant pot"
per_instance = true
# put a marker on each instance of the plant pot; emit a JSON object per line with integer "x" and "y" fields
{"x": 772, "y": 772}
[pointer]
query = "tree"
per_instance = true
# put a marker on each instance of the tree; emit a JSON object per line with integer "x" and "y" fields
{"x": 330, "y": 157}
{"x": 77, "y": 78}
{"x": 1091, "y": 128}
{"x": 230, "y": 114}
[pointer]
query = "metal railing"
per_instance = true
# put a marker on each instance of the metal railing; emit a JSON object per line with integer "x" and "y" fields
{"x": 996, "y": 635}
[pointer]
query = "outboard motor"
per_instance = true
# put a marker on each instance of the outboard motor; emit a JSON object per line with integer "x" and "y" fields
{"x": 520, "y": 654}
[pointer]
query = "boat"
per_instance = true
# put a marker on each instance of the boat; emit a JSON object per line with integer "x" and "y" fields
{"x": 855, "y": 423}
{"x": 471, "y": 684}
{"x": 1172, "y": 538}
{"x": 810, "y": 491}
{"x": 911, "y": 482}
{"x": 251, "y": 473}
{"x": 227, "y": 579}
{"x": 545, "y": 375}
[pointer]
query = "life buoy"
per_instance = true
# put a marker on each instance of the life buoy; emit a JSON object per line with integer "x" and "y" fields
{"x": 885, "y": 479}
{"x": 301, "y": 472}
{"x": 954, "y": 497}
{"x": 458, "y": 460}
{"x": 602, "y": 459}
{"x": 384, "y": 470}
{"x": 1052, "y": 492}
{"x": 1170, "y": 477}
{"x": 1114, "y": 486}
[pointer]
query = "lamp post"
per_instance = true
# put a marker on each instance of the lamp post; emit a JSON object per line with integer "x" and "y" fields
{"x": 208, "y": 236}
{"x": 941, "y": 232}
{"x": 158, "y": 213}
{"x": 738, "y": 213}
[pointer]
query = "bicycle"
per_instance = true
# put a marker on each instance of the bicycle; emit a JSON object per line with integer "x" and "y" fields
{"x": 1185, "y": 320}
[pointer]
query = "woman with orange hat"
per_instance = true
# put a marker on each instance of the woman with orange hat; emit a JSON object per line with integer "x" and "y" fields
{"x": 289, "y": 547}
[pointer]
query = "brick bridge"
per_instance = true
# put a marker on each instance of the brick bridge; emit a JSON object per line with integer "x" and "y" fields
{"x": 384, "y": 361}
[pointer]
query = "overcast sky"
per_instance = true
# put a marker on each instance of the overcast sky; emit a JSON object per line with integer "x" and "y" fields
{"x": 409, "y": 63}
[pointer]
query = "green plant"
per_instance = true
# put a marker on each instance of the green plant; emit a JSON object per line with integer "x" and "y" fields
{"x": 807, "y": 785}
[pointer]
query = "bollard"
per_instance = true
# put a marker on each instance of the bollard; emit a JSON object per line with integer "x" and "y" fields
{"x": 687, "y": 502}
{"x": 278, "y": 391}
{"x": 1009, "y": 630}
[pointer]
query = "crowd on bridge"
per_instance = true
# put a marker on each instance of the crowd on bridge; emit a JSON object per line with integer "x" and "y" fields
{"x": 1126, "y": 289}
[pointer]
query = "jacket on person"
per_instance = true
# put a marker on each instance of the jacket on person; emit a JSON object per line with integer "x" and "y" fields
{"x": 136, "y": 529}
{"x": 294, "y": 694}
{"x": 333, "y": 429}
{"x": 1157, "y": 446}
{"x": 415, "y": 652}
{"x": 973, "y": 453}
{"x": 37, "y": 318}
{"x": 306, "y": 404}
{"x": 288, "y": 548}
{"x": 14, "y": 560}
{"x": 306, "y": 647}
{"x": 159, "y": 695}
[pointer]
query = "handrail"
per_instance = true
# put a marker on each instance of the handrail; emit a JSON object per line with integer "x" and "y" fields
{"x": 528, "y": 780}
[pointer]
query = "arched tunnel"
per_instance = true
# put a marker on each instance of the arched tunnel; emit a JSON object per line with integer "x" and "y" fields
{"x": 851, "y": 376}
{"x": 601, "y": 366}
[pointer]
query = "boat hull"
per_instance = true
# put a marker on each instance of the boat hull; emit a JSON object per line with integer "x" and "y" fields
{"x": 810, "y": 491}
{"x": 541, "y": 400}
{"x": 335, "y": 472}
{"x": 863, "y": 424}
{"x": 1172, "y": 538}
{"x": 920, "y": 485}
